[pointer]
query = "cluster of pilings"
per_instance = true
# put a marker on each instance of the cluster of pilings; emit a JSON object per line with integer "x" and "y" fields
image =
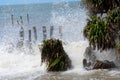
{"x": 20, "y": 23}
{"x": 32, "y": 33}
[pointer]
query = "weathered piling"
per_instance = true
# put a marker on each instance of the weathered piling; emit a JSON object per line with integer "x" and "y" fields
{"x": 21, "y": 20}
{"x": 21, "y": 32}
{"x": 28, "y": 18}
{"x": 21, "y": 41}
{"x": 18, "y": 22}
{"x": 12, "y": 20}
{"x": 51, "y": 32}
{"x": 60, "y": 32}
{"x": 44, "y": 33}
{"x": 29, "y": 32}
{"x": 35, "y": 33}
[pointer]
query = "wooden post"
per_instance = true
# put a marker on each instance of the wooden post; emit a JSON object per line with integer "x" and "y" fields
{"x": 21, "y": 20}
{"x": 12, "y": 20}
{"x": 35, "y": 33}
{"x": 44, "y": 33}
{"x": 51, "y": 32}
{"x": 21, "y": 34}
{"x": 18, "y": 22}
{"x": 29, "y": 31}
{"x": 28, "y": 18}
{"x": 60, "y": 32}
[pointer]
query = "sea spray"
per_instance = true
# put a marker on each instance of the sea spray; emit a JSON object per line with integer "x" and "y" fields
{"x": 76, "y": 51}
{"x": 18, "y": 62}
{"x": 16, "y": 65}
{"x": 71, "y": 20}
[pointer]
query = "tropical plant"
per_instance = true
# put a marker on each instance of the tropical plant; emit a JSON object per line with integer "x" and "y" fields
{"x": 114, "y": 15}
{"x": 100, "y": 6}
{"x": 97, "y": 33}
{"x": 102, "y": 32}
{"x": 54, "y": 55}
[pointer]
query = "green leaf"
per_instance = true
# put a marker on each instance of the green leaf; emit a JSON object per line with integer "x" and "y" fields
{"x": 54, "y": 63}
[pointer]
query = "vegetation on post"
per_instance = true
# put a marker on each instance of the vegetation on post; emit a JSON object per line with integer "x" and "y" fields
{"x": 54, "y": 55}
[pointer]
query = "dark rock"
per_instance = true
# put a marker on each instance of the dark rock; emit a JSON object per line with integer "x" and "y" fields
{"x": 89, "y": 55}
{"x": 98, "y": 64}
{"x": 103, "y": 65}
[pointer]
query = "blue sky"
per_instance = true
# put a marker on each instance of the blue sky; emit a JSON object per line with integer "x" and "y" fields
{"x": 12, "y": 2}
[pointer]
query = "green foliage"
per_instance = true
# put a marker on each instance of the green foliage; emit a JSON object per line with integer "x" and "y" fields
{"x": 114, "y": 15}
{"x": 113, "y": 20}
{"x": 97, "y": 33}
{"x": 100, "y": 32}
{"x": 54, "y": 55}
{"x": 100, "y": 6}
{"x": 118, "y": 45}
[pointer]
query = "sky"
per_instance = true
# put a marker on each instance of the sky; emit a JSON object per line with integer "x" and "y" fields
{"x": 12, "y": 2}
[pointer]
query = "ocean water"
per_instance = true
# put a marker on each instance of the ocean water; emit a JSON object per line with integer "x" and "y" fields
{"x": 25, "y": 63}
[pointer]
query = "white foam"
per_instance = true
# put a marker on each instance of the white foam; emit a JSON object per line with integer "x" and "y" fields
{"x": 75, "y": 51}
{"x": 72, "y": 20}
{"x": 18, "y": 62}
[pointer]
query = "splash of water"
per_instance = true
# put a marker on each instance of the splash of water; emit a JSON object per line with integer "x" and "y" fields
{"x": 71, "y": 20}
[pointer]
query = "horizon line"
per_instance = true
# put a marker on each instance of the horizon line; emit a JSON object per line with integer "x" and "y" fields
{"x": 36, "y": 3}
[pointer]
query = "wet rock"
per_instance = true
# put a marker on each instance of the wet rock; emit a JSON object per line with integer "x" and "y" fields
{"x": 103, "y": 64}
{"x": 90, "y": 61}
{"x": 89, "y": 55}
{"x": 98, "y": 64}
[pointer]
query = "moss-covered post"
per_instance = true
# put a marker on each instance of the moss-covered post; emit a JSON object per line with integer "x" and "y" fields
{"x": 54, "y": 55}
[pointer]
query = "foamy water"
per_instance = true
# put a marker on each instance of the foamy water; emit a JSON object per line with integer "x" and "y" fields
{"x": 21, "y": 63}
{"x": 21, "y": 66}
{"x": 25, "y": 64}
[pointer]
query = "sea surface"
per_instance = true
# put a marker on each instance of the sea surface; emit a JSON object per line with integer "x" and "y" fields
{"x": 25, "y": 63}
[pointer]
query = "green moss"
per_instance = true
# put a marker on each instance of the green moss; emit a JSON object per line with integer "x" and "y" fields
{"x": 54, "y": 55}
